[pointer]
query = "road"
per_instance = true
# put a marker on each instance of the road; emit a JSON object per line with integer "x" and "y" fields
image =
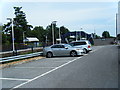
{"x": 97, "y": 69}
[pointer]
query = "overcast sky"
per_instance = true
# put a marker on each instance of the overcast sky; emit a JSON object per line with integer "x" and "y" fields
{"x": 73, "y": 14}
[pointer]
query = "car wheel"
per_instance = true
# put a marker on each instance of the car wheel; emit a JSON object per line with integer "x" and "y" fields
{"x": 49, "y": 55}
{"x": 85, "y": 51}
{"x": 73, "y": 53}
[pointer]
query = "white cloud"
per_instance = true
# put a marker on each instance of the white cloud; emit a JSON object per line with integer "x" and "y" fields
{"x": 69, "y": 16}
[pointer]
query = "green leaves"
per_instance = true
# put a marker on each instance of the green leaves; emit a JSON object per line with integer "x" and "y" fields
{"x": 106, "y": 34}
{"x": 20, "y": 25}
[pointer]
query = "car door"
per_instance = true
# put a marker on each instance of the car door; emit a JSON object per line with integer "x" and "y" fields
{"x": 65, "y": 50}
{"x": 56, "y": 50}
{"x": 62, "y": 50}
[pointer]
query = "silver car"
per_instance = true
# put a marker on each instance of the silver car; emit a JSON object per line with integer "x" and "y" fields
{"x": 61, "y": 50}
{"x": 85, "y": 44}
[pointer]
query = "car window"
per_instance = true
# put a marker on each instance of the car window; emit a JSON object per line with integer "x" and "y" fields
{"x": 78, "y": 43}
{"x": 67, "y": 45}
{"x": 89, "y": 42}
{"x": 54, "y": 46}
{"x": 72, "y": 44}
{"x": 58, "y": 46}
{"x": 62, "y": 46}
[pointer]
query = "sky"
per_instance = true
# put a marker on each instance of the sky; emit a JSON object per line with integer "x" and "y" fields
{"x": 90, "y": 15}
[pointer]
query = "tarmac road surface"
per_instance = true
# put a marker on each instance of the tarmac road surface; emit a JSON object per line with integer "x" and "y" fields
{"x": 97, "y": 69}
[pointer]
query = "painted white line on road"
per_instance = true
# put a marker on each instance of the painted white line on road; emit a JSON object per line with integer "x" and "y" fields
{"x": 92, "y": 51}
{"x": 85, "y": 54}
{"x": 60, "y": 61}
{"x": 35, "y": 67}
{"x": 45, "y": 73}
{"x": 14, "y": 79}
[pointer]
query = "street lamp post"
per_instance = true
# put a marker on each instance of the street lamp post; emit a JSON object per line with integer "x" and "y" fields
{"x": 46, "y": 40}
{"x": 59, "y": 35}
{"x": 24, "y": 37}
{"x": 116, "y": 24}
{"x": 94, "y": 33}
{"x": 81, "y": 33}
{"x": 76, "y": 35}
{"x": 54, "y": 22}
{"x": 13, "y": 44}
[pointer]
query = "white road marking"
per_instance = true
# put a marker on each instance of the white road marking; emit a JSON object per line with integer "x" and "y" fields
{"x": 35, "y": 67}
{"x": 92, "y": 51}
{"x": 45, "y": 73}
{"x": 60, "y": 61}
{"x": 14, "y": 79}
{"x": 85, "y": 54}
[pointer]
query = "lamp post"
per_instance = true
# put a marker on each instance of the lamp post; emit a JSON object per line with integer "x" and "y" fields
{"x": 116, "y": 24}
{"x": 59, "y": 35}
{"x": 80, "y": 33}
{"x": 94, "y": 33}
{"x": 13, "y": 43}
{"x": 24, "y": 37}
{"x": 46, "y": 40}
{"x": 76, "y": 35}
{"x": 54, "y": 22}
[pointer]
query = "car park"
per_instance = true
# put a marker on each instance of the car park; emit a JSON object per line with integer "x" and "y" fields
{"x": 85, "y": 44}
{"x": 62, "y": 50}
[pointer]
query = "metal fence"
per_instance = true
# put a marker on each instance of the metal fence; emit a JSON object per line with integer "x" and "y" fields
{"x": 17, "y": 47}
{"x": 12, "y": 58}
{"x": 23, "y": 46}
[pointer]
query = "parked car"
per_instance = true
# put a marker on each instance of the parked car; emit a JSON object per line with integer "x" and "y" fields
{"x": 61, "y": 50}
{"x": 85, "y": 44}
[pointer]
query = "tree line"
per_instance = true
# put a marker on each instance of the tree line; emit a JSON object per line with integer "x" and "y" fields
{"x": 21, "y": 27}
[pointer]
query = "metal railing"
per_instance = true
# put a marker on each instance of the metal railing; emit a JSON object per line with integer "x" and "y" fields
{"x": 20, "y": 57}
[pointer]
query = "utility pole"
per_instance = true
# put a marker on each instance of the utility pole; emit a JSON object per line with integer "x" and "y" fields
{"x": 94, "y": 33}
{"x": 24, "y": 37}
{"x": 46, "y": 40}
{"x": 59, "y": 36}
{"x": 116, "y": 24}
{"x": 13, "y": 43}
{"x": 76, "y": 35}
{"x": 53, "y": 37}
{"x": 80, "y": 33}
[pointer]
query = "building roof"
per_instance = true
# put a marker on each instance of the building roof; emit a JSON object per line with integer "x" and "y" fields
{"x": 31, "y": 39}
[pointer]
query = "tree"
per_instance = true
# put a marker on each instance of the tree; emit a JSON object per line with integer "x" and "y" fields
{"x": 106, "y": 34}
{"x": 63, "y": 30}
{"x": 20, "y": 25}
{"x": 1, "y": 28}
{"x": 49, "y": 32}
{"x": 38, "y": 32}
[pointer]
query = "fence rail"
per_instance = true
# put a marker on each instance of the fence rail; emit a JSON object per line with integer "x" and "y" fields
{"x": 20, "y": 57}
